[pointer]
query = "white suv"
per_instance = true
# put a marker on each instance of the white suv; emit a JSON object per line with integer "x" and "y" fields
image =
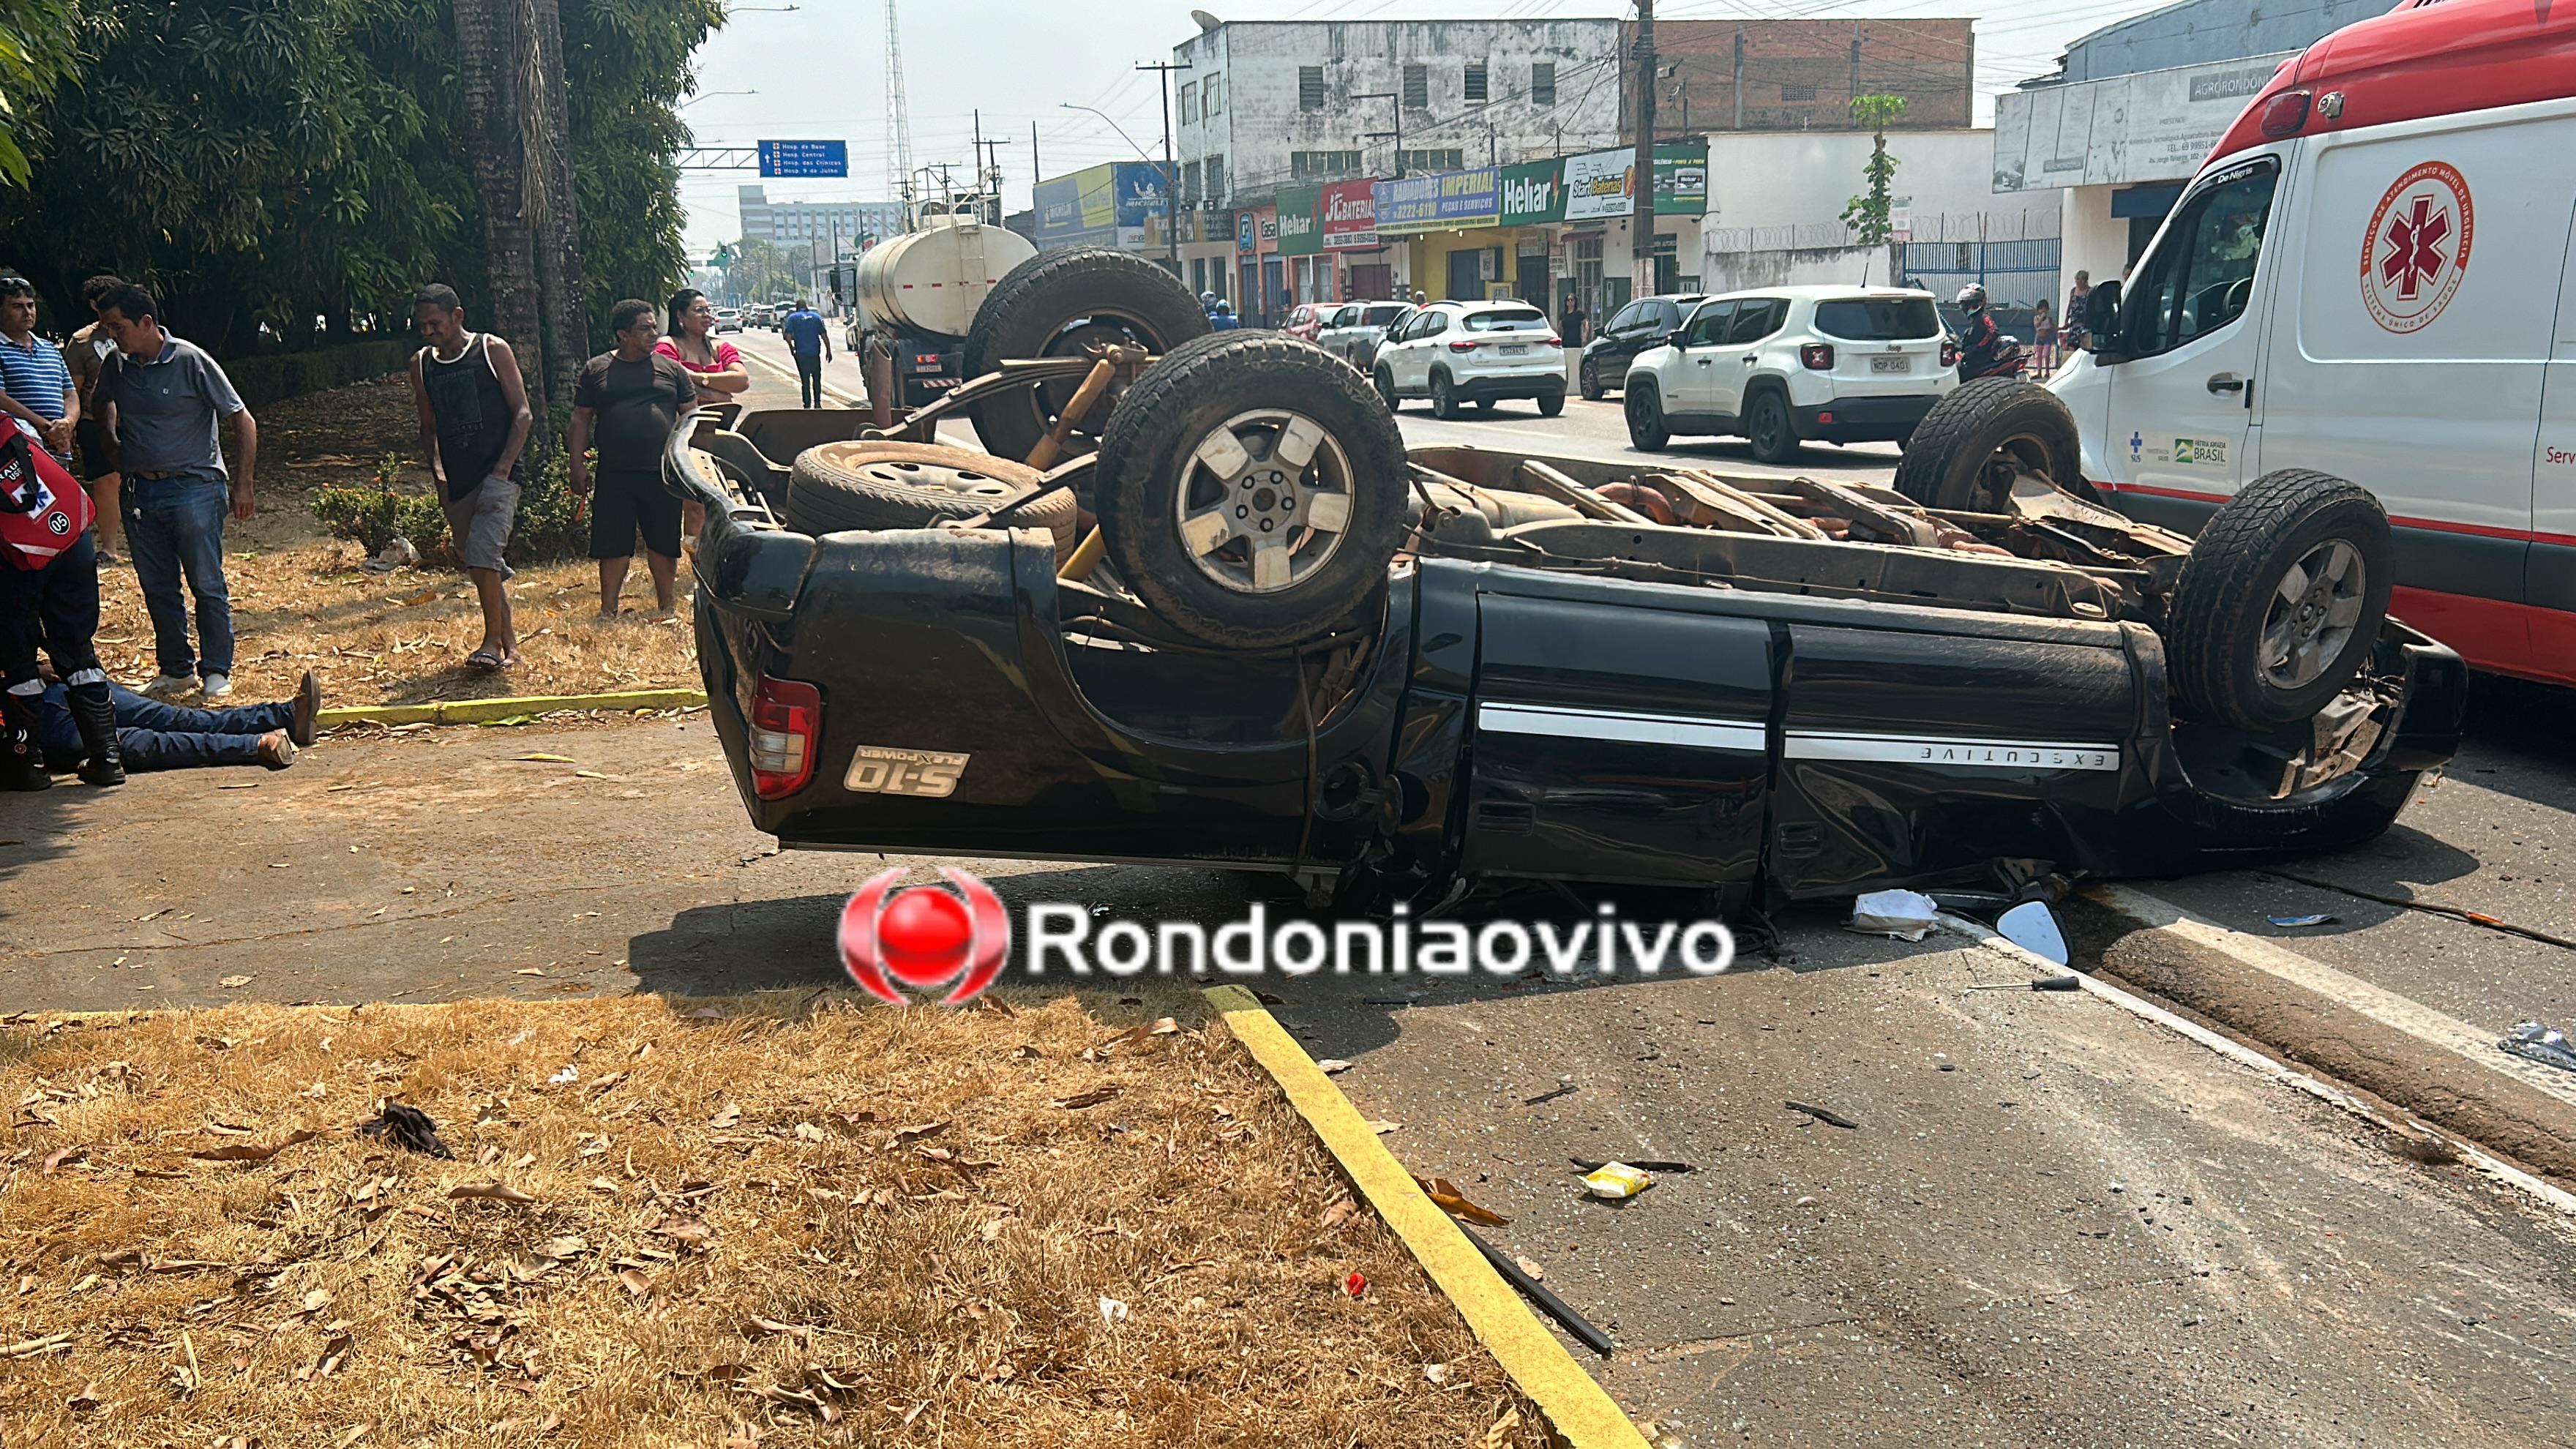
{"x": 1791, "y": 364}
{"x": 1479, "y": 352}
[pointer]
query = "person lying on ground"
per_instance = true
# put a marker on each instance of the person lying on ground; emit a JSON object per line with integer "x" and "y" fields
{"x": 156, "y": 736}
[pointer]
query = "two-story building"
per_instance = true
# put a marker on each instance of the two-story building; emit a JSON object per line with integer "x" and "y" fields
{"x": 1272, "y": 105}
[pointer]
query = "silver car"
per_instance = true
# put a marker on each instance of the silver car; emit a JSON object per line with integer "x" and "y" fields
{"x": 1353, "y": 332}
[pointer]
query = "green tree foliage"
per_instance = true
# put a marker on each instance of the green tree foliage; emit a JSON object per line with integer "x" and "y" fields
{"x": 1871, "y": 215}
{"x": 629, "y": 64}
{"x": 36, "y": 51}
{"x": 283, "y": 171}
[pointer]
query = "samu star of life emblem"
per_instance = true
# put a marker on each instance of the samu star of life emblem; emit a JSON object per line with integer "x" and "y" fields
{"x": 2416, "y": 250}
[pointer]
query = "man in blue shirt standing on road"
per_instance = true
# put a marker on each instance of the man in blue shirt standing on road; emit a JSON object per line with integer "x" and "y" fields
{"x": 811, "y": 344}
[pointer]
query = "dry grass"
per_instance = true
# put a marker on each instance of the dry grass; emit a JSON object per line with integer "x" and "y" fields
{"x": 301, "y": 602}
{"x": 750, "y": 1224}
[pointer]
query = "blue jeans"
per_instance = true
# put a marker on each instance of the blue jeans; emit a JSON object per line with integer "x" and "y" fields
{"x": 156, "y": 736}
{"x": 175, "y": 526}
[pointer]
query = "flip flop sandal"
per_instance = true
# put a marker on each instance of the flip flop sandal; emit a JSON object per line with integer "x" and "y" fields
{"x": 485, "y": 660}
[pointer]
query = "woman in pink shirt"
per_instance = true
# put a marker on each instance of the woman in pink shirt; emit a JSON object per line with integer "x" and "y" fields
{"x": 717, "y": 366}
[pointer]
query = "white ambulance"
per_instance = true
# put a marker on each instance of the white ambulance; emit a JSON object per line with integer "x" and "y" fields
{"x": 2371, "y": 278}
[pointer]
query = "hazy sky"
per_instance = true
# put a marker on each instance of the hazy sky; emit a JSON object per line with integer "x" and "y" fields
{"x": 820, "y": 73}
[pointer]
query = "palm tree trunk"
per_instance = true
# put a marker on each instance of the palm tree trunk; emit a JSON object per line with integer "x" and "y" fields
{"x": 493, "y": 57}
{"x": 557, "y": 232}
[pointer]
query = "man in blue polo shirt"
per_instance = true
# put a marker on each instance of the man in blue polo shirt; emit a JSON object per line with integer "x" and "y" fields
{"x": 811, "y": 342}
{"x": 35, "y": 385}
{"x": 161, "y": 396}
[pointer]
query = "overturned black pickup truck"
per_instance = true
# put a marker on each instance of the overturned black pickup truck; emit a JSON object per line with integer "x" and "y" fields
{"x": 1247, "y": 629}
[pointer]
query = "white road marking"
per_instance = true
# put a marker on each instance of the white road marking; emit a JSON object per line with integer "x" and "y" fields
{"x": 2398, "y": 1013}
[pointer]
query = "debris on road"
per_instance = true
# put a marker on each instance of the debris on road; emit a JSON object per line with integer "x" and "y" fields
{"x": 408, "y": 1128}
{"x": 1453, "y": 1202}
{"x": 1614, "y": 1181}
{"x": 2544, "y": 1044}
{"x": 1586, "y": 1164}
{"x": 1524, "y": 1277}
{"x": 2058, "y": 983}
{"x": 2033, "y": 927}
{"x": 1826, "y": 1115}
{"x": 2294, "y": 922}
{"x": 1905, "y": 915}
{"x": 1567, "y": 1090}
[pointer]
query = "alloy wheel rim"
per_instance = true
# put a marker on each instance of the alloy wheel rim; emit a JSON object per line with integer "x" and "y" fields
{"x": 1265, "y": 501}
{"x": 2311, "y": 614}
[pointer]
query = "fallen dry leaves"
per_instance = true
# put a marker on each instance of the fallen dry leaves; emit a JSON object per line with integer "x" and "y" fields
{"x": 772, "y": 1225}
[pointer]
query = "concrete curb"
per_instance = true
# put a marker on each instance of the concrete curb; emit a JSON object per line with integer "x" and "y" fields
{"x": 1579, "y": 1409}
{"x": 479, "y": 711}
{"x": 2541, "y": 1191}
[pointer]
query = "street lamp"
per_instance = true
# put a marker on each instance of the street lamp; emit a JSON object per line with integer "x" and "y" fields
{"x": 710, "y": 95}
{"x": 1171, "y": 190}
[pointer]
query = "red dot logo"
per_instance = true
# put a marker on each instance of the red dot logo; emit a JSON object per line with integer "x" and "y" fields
{"x": 925, "y": 937}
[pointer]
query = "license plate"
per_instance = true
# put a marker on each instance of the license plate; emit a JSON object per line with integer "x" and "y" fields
{"x": 1515, "y": 349}
{"x": 1891, "y": 364}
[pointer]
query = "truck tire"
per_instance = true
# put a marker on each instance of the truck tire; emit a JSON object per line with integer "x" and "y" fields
{"x": 835, "y": 487}
{"x": 1224, "y": 538}
{"x": 1959, "y": 456}
{"x": 1054, "y": 305}
{"x": 2280, "y": 601}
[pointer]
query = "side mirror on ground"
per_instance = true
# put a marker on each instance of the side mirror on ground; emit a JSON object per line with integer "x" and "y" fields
{"x": 2102, "y": 315}
{"x": 2033, "y": 927}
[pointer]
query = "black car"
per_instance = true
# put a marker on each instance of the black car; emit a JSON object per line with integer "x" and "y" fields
{"x": 1632, "y": 329}
{"x": 1393, "y": 676}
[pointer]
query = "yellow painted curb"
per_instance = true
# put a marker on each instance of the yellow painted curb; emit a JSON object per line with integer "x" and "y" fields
{"x": 477, "y": 711}
{"x": 1579, "y": 1408}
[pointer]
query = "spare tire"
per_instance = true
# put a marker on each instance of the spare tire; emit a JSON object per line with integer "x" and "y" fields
{"x": 2280, "y": 601}
{"x": 1252, "y": 490}
{"x": 834, "y": 487}
{"x": 1055, "y": 304}
{"x": 1961, "y": 455}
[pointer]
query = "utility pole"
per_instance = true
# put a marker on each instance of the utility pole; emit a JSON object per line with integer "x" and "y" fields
{"x": 1171, "y": 174}
{"x": 1641, "y": 219}
{"x": 1035, "y": 176}
{"x": 1395, "y": 103}
{"x": 1850, "y": 111}
{"x": 1739, "y": 81}
{"x": 988, "y": 174}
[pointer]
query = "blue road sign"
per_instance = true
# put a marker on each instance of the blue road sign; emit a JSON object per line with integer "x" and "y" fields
{"x": 804, "y": 158}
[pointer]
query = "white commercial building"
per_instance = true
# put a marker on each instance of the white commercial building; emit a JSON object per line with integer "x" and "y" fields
{"x": 1776, "y": 201}
{"x": 1267, "y": 104}
{"x": 801, "y": 223}
{"x": 2135, "y": 107}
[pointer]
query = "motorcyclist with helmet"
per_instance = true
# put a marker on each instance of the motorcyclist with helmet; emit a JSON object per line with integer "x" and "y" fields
{"x": 1983, "y": 349}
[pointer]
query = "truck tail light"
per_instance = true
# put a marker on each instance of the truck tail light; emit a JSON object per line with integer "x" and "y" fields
{"x": 1462, "y": 345}
{"x": 786, "y": 730}
{"x": 2284, "y": 114}
{"x": 1816, "y": 356}
{"x": 1949, "y": 353}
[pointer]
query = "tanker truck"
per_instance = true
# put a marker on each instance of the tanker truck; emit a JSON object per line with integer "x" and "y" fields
{"x": 918, "y": 293}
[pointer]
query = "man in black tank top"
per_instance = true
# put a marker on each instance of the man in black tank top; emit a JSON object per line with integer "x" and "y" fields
{"x": 474, "y": 423}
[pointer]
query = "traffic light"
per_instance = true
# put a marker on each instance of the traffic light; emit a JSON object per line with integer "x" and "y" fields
{"x": 723, "y": 256}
